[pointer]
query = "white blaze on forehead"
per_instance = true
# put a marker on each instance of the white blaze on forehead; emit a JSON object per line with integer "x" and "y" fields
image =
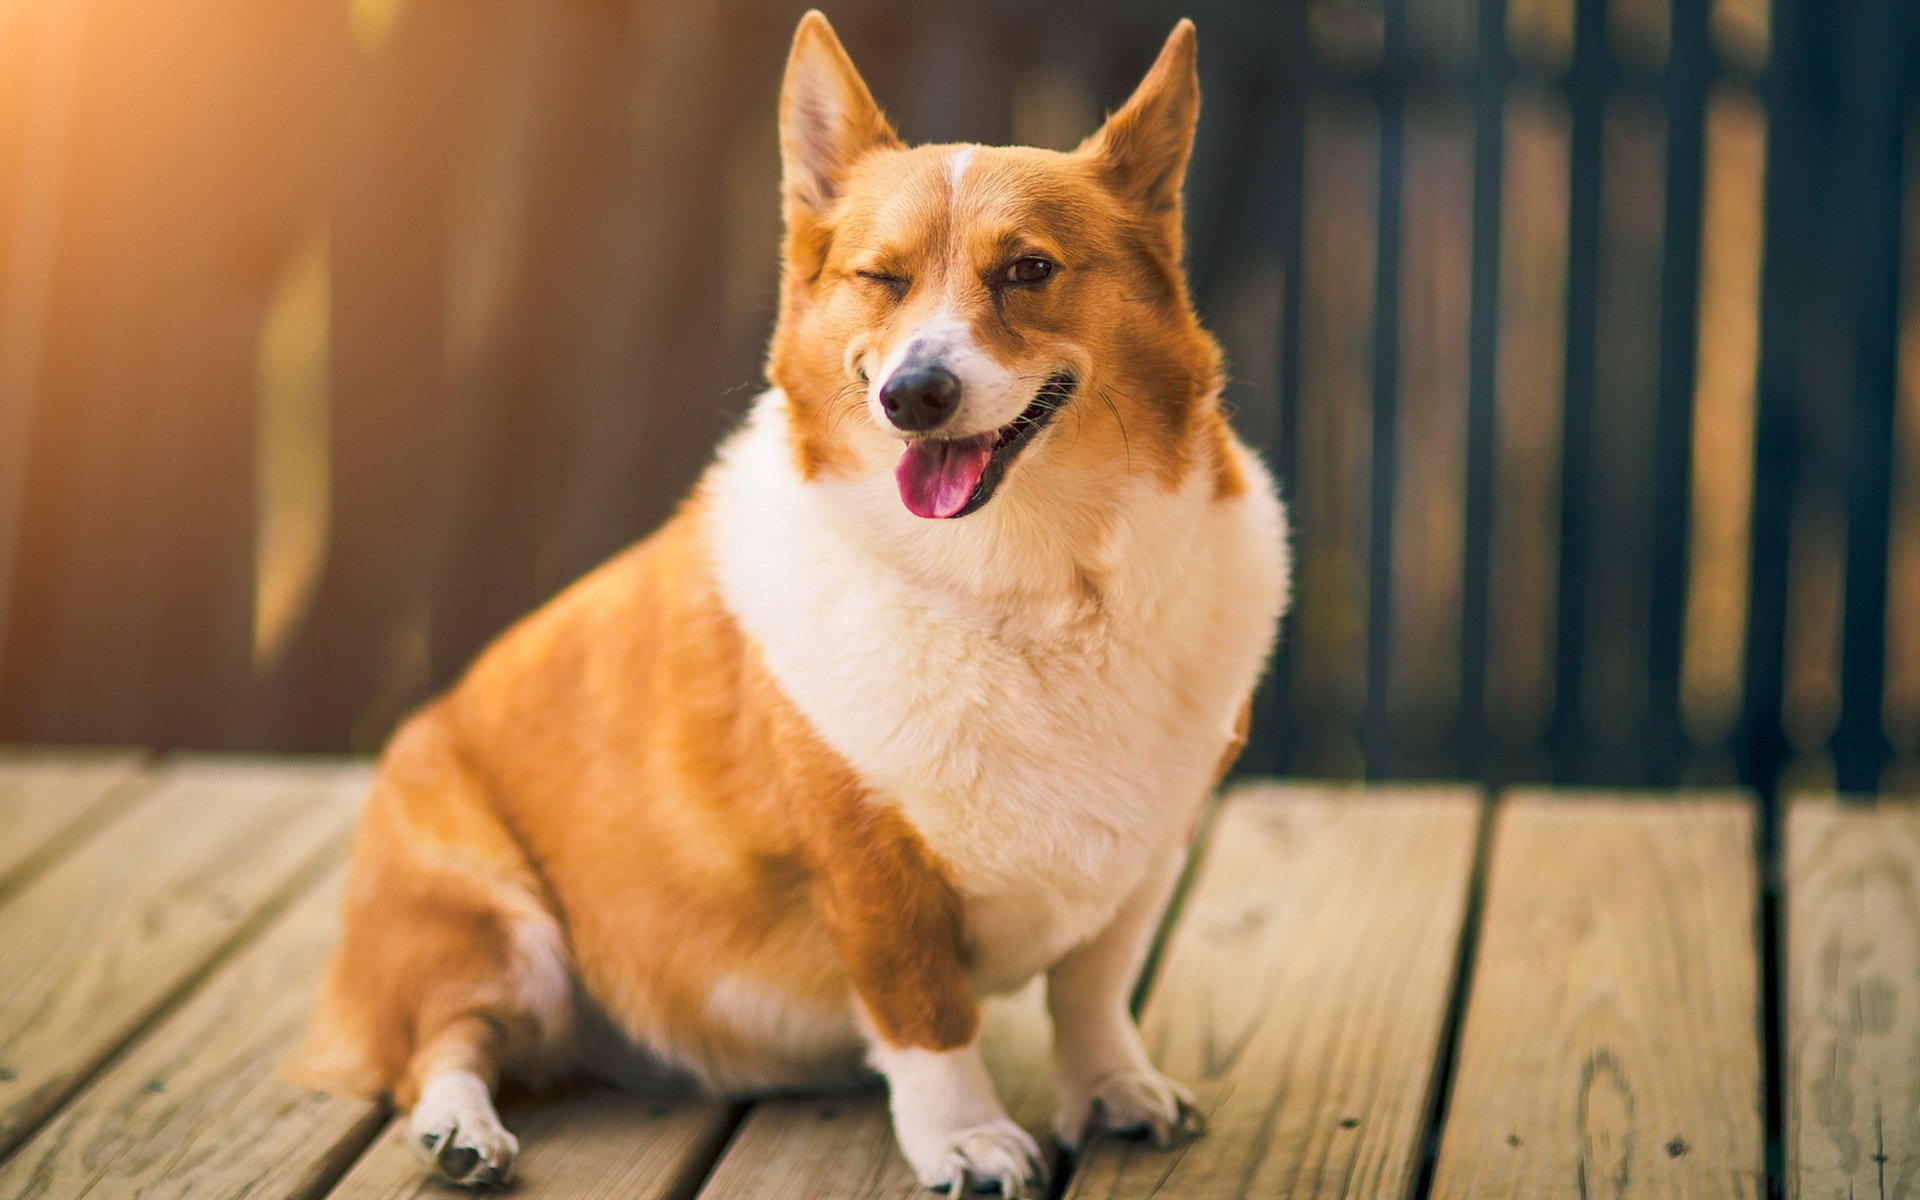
{"x": 956, "y": 167}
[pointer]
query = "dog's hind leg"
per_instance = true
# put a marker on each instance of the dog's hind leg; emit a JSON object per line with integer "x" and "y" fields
{"x": 454, "y": 1129}
{"x": 452, "y": 971}
{"x": 493, "y": 1005}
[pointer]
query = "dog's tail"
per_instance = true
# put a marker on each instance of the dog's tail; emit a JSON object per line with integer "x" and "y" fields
{"x": 336, "y": 1054}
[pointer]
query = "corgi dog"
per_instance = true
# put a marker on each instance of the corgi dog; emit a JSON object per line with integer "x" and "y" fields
{"x": 917, "y": 697}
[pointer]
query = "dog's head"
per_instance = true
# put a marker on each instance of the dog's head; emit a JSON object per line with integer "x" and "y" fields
{"x": 965, "y": 316}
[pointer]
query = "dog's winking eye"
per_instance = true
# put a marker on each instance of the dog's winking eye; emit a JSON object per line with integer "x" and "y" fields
{"x": 893, "y": 283}
{"x": 1031, "y": 269}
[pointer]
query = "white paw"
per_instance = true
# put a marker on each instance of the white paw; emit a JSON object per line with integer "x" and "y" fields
{"x": 996, "y": 1154}
{"x": 457, "y": 1135}
{"x": 1129, "y": 1102}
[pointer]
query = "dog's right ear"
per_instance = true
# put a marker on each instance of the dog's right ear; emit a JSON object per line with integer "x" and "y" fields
{"x": 827, "y": 120}
{"x": 1143, "y": 148}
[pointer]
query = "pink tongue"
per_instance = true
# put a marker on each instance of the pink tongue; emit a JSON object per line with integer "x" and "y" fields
{"x": 936, "y": 477}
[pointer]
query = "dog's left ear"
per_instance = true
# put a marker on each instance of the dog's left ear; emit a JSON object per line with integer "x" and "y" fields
{"x": 1142, "y": 149}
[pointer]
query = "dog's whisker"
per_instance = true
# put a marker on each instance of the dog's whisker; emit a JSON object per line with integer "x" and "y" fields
{"x": 1126, "y": 443}
{"x": 833, "y": 409}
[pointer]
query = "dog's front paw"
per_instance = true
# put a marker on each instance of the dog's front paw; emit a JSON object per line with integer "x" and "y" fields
{"x": 1129, "y": 1102}
{"x": 998, "y": 1153}
{"x": 463, "y": 1144}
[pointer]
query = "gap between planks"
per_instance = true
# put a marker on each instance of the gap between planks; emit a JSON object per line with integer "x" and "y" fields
{"x": 1303, "y": 995}
{"x": 199, "y": 1109}
{"x": 1571, "y": 882}
{"x": 52, "y": 800}
{"x": 196, "y": 1107}
{"x": 1266, "y": 891}
{"x": 1447, "y": 1056}
{"x": 1333, "y": 902}
{"x": 115, "y": 935}
{"x": 837, "y": 1147}
{"x": 1611, "y": 1044}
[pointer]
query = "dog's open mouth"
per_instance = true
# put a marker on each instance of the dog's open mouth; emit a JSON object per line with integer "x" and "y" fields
{"x": 951, "y": 477}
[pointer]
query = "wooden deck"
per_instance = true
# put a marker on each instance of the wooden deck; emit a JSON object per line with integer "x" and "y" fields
{"x": 1386, "y": 992}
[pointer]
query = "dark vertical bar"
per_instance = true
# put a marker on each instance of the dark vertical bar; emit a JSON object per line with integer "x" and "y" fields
{"x": 405, "y": 132}
{"x": 1270, "y": 723}
{"x": 1785, "y": 280}
{"x": 1689, "y": 70}
{"x": 1567, "y": 734}
{"x": 1483, "y": 350}
{"x": 1873, "y": 100}
{"x": 1784, "y": 283}
{"x": 1230, "y": 135}
{"x": 1376, "y": 729}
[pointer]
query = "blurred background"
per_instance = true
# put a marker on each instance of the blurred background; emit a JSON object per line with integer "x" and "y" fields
{"x": 335, "y": 334}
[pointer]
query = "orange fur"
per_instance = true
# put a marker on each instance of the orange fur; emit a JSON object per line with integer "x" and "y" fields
{"x": 1119, "y": 310}
{"x": 647, "y": 782}
{"x": 1241, "y": 725}
{"x": 621, "y": 770}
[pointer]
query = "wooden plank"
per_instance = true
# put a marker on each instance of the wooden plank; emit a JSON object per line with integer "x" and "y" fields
{"x": 1612, "y": 1039}
{"x": 197, "y": 1108}
{"x": 110, "y": 935}
{"x": 51, "y": 799}
{"x": 591, "y": 1144}
{"x": 1853, "y": 1000}
{"x": 1303, "y": 995}
{"x": 842, "y": 1147}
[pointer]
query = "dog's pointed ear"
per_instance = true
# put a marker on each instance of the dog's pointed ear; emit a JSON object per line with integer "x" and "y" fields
{"x": 827, "y": 119}
{"x": 1142, "y": 150}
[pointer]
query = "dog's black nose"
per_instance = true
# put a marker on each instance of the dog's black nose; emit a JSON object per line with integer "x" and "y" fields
{"x": 919, "y": 398}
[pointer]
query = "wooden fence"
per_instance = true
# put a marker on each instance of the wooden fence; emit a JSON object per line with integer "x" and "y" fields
{"x": 1586, "y": 338}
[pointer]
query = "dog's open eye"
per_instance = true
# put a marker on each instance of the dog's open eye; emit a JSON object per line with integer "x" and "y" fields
{"x": 1031, "y": 269}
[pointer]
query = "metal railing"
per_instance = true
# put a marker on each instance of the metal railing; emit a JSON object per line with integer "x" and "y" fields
{"x": 341, "y": 335}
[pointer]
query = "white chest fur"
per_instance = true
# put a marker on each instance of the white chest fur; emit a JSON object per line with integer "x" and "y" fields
{"x": 1045, "y": 707}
